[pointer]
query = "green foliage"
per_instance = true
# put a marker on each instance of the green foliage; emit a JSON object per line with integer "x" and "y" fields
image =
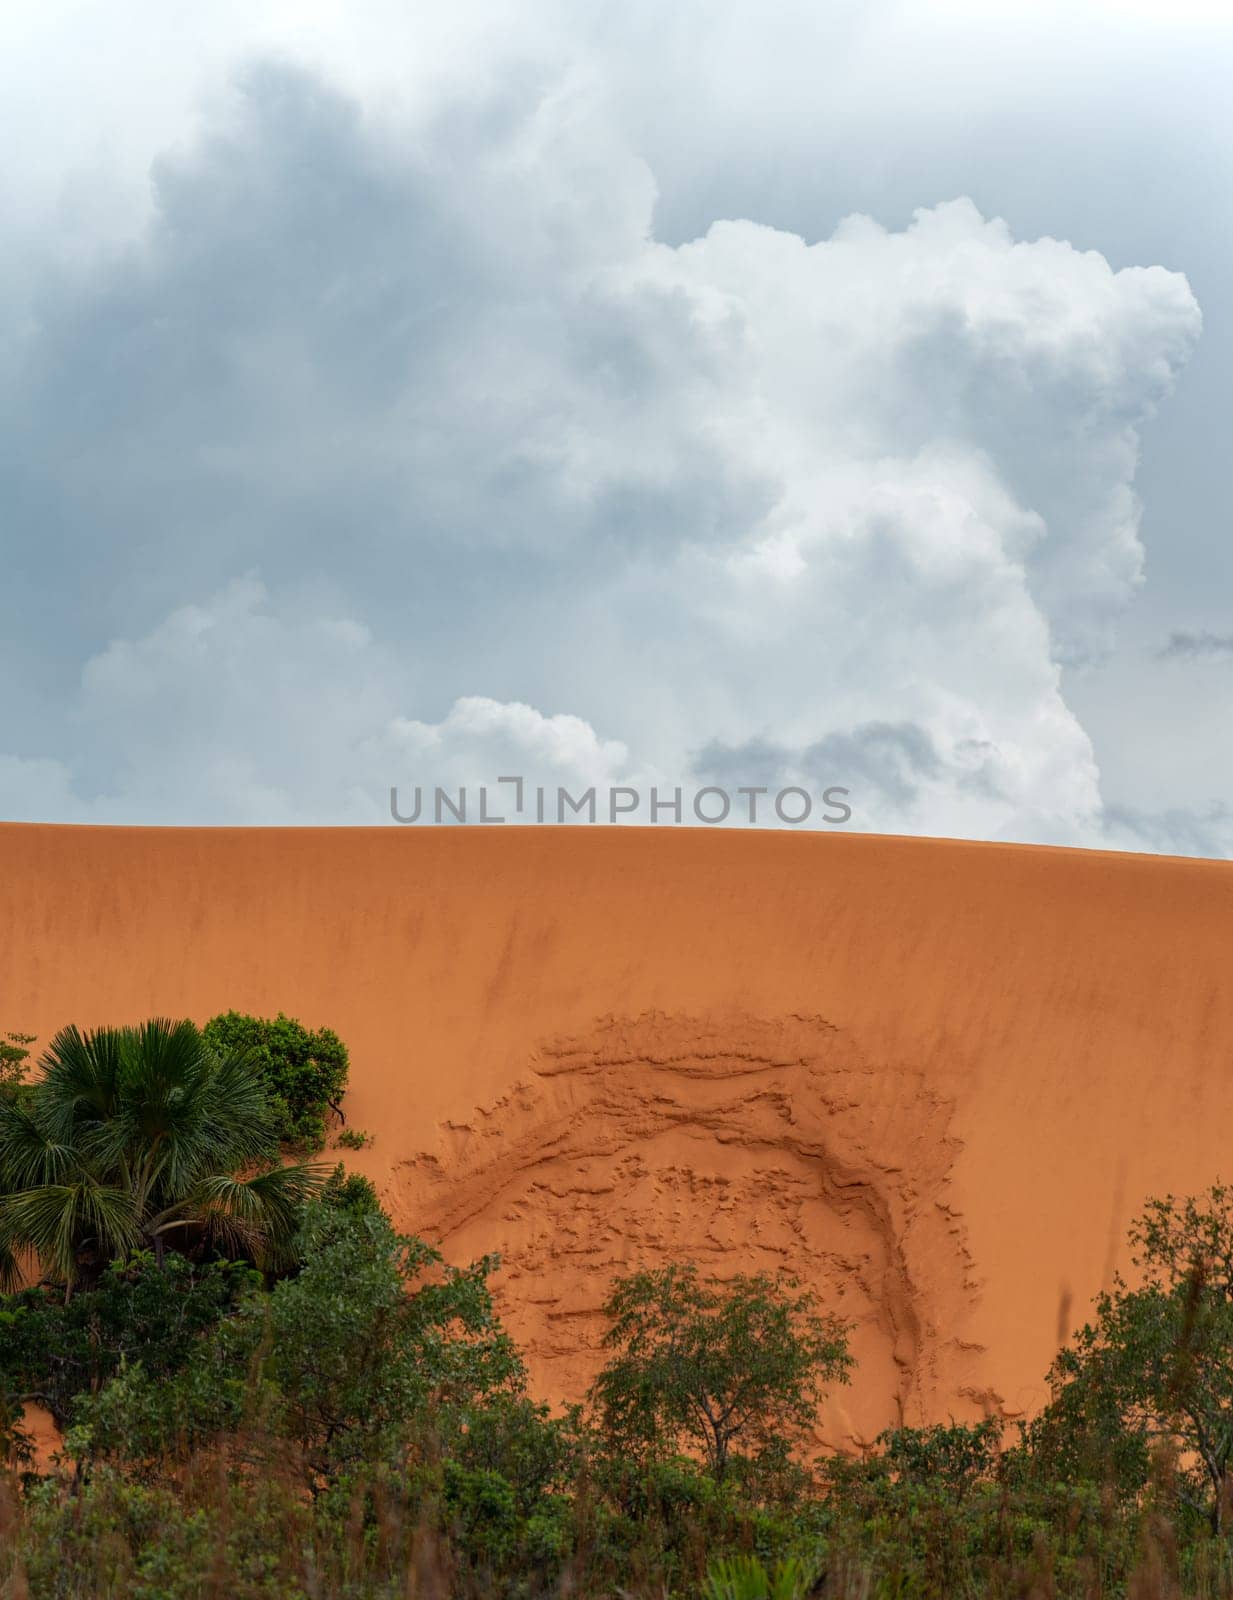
{"x": 136, "y": 1138}
{"x": 350, "y": 1192}
{"x": 665, "y": 1516}
{"x": 372, "y": 1332}
{"x": 368, "y": 1349}
{"x": 113, "y": 1538}
{"x": 484, "y": 1513}
{"x": 507, "y": 1485}
{"x": 14, "y": 1053}
{"x": 143, "y": 1421}
{"x": 539, "y": 1454}
{"x": 887, "y": 1534}
{"x": 353, "y": 1139}
{"x": 704, "y": 1363}
{"x": 305, "y": 1072}
{"x": 361, "y": 1428}
{"x": 15, "y": 1445}
{"x": 954, "y": 1459}
{"x": 1151, "y": 1377}
{"x": 747, "y": 1577}
{"x": 57, "y": 1352}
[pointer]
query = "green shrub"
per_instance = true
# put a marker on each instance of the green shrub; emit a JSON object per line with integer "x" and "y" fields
{"x": 375, "y": 1334}
{"x": 305, "y": 1072}
{"x": 537, "y": 1453}
{"x": 954, "y": 1458}
{"x": 747, "y": 1577}
{"x": 361, "y": 1430}
{"x": 354, "y": 1139}
{"x": 142, "y": 1422}
{"x": 57, "y": 1353}
{"x": 350, "y": 1191}
{"x": 717, "y": 1367}
{"x": 109, "y": 1538}
{"x": 13, "y": 1057}
{"x": 484, "y": 1513}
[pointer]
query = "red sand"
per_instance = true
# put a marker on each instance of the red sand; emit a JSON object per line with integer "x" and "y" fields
{"x": 934, "y": 1078}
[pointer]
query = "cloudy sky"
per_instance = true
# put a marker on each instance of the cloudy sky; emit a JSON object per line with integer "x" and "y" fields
{"x": 766, "y": 392}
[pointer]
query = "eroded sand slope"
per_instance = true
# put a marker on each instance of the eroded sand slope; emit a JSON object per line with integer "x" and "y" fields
{"x": 935, "y": 1079}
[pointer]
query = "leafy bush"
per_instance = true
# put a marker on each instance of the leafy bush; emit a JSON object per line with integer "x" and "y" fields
{"x": 1151, "y": 1377}
{"x": 143, "y": 1422}
{"x": 110, "y": 1538}
{"x": 540, "y": 1455}
{"x": 305, "y": 1072}
{"x": 349, "y": 1191}
{"x": 484, "y": 1512}
{"x": 57, "y": 1352}
{"x": 710, "y": 1364}
{"x": 354, "y": 1139}
{"x": 374, "y": 1331}
{"x": 954, "y": 1458}
{"x": 14, "y": 1053}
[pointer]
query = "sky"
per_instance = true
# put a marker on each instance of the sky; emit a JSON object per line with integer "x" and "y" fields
{"x": 623, "y": 395}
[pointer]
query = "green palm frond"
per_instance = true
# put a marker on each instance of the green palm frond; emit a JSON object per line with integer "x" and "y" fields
{"x": 182, "y": 1112}
{"x": 56, "y": 1219}
{"x": 81, "y": 1080}
{"x": 29, "y": 1155}
{"x": 241, "y": 1123}
{"x": 271, "y": 1198}
{"x": 11, "y": 1277}
{"x": 746, "y": 1577}
{"x": 12, "y": 1273}
{"x": 157, "y": 1132}
{"x": 137, "y": 1133}
{"x": 261, "y": 1212}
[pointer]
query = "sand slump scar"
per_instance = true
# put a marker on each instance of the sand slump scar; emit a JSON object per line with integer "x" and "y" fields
{"x": 712, "y": 805}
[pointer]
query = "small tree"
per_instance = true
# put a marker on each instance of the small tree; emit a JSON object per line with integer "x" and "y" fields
{"x": 704, "y": 1363}
{"x": 375, "y": 1331}
{"x": 1154, "y": 1371}
{"x": 14, "y": 1053}
{"x": 305, "y": 1072}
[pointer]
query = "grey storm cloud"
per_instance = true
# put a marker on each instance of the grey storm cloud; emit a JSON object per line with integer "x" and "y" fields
{"x": 1200, "y": 645}
{"x": 1176, "y": 830}
{"x": 278, "y": 372}
{"x": 879, "y": 761}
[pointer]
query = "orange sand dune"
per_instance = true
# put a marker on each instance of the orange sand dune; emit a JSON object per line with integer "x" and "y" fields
{"x": 934, "y": 1078}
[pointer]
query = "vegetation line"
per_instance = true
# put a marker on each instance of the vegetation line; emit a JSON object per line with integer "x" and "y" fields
{"x": 261, "y": 1389}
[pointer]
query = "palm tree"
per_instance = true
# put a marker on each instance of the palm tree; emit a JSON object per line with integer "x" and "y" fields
{"x": 140, "y": 1138}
